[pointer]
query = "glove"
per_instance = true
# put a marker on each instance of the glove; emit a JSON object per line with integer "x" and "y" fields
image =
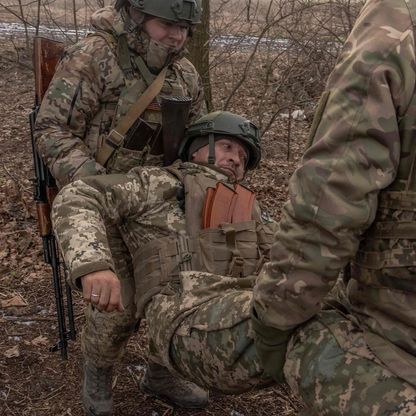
{"x": 271, "y": 345}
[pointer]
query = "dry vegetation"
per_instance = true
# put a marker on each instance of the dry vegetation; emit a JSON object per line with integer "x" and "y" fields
{"x": 257, "y": 80}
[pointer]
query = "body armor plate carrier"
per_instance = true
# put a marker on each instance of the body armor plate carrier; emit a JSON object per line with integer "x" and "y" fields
{"x": 237, "y": 250}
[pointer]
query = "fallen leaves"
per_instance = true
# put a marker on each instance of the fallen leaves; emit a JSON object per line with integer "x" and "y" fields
{"x": 40, "y": 341}
{"x": 12, "y": 352}
{"x": 14, "y": 301}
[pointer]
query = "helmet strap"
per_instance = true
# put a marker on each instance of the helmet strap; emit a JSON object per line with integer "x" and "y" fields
{"x": 211, "y": 149}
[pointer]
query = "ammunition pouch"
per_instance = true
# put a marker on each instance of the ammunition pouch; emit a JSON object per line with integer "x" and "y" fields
{"x": 142, "y": 143}
{"x": 143, "y": 134}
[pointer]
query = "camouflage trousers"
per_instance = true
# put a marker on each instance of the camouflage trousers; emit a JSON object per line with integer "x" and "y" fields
{"x": 105, "y": 334}
{"x": 200, "y": 329}
{"x": 329, "y": 365}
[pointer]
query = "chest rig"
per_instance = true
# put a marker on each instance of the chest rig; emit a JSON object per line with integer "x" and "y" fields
{"x": 136, "y": 79}
{"x": 231, "y": 249}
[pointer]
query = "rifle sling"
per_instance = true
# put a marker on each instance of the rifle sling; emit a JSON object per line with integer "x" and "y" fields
{"x": 115, "y": 138}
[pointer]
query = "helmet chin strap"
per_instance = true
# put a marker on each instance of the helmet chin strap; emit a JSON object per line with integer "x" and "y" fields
{"x": 211, "y": 149}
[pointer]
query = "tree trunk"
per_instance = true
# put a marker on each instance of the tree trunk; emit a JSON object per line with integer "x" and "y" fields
{"x": 24, "y": 24}
{"x": 199, "y": 51}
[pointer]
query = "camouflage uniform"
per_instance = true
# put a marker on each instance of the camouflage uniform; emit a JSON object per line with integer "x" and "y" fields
{"x": 87, "y": 96}
{"x": 144, "y": 206}
{"x": 90, "y": 92}
{"x": 357, "y": 355}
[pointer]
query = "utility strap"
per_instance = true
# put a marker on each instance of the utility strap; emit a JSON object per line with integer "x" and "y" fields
{"x": 115, "y": 138}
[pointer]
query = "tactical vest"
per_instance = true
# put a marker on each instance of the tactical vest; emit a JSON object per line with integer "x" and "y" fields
{"x": 237, "y": 250}
{"x": 136, "y": 78}
{"x": 382, "y": 286}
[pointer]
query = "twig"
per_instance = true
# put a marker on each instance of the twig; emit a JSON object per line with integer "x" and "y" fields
{"x": 28, "y": 318}
{"x": 50, "y": 395}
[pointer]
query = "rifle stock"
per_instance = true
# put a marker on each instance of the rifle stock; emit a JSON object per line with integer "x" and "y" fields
{"x": 46, "y": 55}
{"x": 175, "y": 113}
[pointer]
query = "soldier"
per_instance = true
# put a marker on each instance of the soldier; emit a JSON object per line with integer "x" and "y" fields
{"x": 158, "y": 212}
{"x": 135, "y": 46}
{"x": 101, "y": 76}
{"x": 353, "y": 197}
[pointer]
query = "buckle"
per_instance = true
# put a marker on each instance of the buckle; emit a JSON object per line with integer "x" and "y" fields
{"x": 114, "y": 139}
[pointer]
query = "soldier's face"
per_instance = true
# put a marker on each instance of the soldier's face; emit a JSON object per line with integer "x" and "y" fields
{"x": 170, "y": 34}
{"x": 230, "y": 155}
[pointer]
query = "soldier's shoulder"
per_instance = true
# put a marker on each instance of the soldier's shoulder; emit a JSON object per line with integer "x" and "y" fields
{"x": 185, "y": 65}
{"x": 94, "y": 45}
{"x": 153, "y": 173}
{"x": 386, "y": 20}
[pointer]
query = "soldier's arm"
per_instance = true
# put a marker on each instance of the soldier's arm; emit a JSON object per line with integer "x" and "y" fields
{"x": 355, "y": 154}
{"x": 70, "y": 103}
{"x": 198, "y": 106}
{"x": 84, "y": 210}
{"x": 194, "y": 84}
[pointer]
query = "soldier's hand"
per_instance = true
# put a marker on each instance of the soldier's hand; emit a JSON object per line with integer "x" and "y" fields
{"x": 103, "y": 290}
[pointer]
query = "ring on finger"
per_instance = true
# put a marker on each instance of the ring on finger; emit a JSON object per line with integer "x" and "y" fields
{"x": 94, "y": 295}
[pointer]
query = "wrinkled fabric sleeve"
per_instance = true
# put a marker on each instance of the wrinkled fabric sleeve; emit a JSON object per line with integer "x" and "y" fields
{"x": 70, "y": 103}
{"x": 195, "y": 87}
{"x": 354, "y": 154}
{"x": 84, "y": 209}
{"x": 198, "y": 107}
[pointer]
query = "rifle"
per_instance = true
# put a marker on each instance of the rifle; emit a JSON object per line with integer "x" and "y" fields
{"x": 46, "y": 54}
{"x": 175, "y": 113}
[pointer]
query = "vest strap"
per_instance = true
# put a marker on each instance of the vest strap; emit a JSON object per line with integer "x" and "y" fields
{"x": 115, "y": 139}
{"x": 124, "y": 56}
{"x": 148, "y": 77}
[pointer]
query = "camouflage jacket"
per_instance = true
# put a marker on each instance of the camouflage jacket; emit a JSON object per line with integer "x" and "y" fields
{"x": 362, "y": 145}
{"x": 145, "y": 205}
{"x": 90, "y": 92}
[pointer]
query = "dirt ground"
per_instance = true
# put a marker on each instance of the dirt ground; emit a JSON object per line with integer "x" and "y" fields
{"x": 34, "y": 381}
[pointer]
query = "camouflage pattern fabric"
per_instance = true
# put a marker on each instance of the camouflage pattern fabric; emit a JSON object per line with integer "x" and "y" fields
{"x": 89, "y": 92}
{"x": 140, "y": 206}
{"x": 362, "y": 142}
{"x": 200, "y": 329}
{"x": 330, "y": 366}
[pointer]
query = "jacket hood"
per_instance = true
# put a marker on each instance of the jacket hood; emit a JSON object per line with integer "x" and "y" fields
{"x": 108, "y": 19}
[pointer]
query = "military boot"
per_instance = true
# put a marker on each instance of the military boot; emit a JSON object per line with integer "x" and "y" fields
{"x": 97, "y": 395}
{"x": 159, "y": 382}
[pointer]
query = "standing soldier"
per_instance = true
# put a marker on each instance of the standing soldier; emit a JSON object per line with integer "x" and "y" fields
{"x": 136, "y": 47}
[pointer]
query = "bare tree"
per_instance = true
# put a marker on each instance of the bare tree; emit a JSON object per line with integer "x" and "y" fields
{"x": 199, "y": 51}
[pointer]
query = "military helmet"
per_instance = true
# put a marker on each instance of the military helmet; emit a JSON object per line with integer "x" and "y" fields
{"x": 225, "y": 123}
{"x": 178, "y": 11}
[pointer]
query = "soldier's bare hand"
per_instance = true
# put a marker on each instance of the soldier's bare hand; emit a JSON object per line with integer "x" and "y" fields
{"x": 103, "y": 290}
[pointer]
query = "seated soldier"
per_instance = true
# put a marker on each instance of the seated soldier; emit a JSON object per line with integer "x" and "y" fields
{"x": 180, "y": 223}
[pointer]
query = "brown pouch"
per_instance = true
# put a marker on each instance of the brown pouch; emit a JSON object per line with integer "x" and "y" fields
{"x": 207, "y": 208}
{"x": 244, "y": 206}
